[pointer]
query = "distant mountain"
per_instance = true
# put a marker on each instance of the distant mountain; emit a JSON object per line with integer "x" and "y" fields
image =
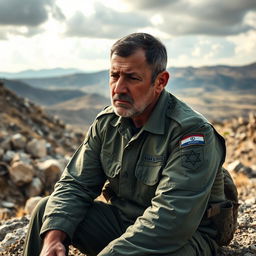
{"x": 96, "y": 82}
{"x": 41, "y": 96}
{"x": 214, "y": 77}
{"x": 210, "y": 78}
{"x": 218, "y": 92}
{"x": 79, "y": 112}
{"x": 39, "y": 73}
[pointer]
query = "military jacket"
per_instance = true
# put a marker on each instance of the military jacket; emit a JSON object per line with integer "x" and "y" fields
{"x": 161, "y": 179}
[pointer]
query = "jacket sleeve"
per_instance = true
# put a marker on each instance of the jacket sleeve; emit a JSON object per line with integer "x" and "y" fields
{"x": 179, "y": 203}
{"x": 80, "y": 183}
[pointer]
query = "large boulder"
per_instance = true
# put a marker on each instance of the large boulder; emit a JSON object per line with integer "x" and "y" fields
{"x": 18, "y": 141}
{"x": 21, "y": 173}
{"x": 8, "y": 156}
{"x": 31, "y": 204}
{"x": 52, "y": 170}
{"x": 35, "y": 188}
{"x": 37, "y": 148}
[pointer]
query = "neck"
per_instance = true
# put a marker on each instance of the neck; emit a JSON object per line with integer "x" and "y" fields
{"x": 142, "y": 118}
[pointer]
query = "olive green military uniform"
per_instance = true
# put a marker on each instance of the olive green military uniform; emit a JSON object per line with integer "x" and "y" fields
{"x": 159, "y": 185}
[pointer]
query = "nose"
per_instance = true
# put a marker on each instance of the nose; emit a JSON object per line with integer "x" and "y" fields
{"x": 120, "y": 86}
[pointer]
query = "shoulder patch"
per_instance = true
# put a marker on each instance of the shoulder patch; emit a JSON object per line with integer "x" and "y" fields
{"x": 195, "y": 139}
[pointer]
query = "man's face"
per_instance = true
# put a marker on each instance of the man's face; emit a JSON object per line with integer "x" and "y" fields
{"x": 132, "y": 92}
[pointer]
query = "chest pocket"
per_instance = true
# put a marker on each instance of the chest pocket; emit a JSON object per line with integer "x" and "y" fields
{"x": 148, "y": 175}
{"x": 110, "y": 165}
{"x": 147, "y": 180}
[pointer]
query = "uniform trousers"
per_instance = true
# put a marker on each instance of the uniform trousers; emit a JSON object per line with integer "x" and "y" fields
{"x": 101, "y": 225}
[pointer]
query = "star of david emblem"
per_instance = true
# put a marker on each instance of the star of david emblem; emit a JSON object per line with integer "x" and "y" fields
{"x": 191, "y": 159}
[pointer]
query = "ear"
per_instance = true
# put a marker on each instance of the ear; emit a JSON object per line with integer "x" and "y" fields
{"x": 161, "y": 81}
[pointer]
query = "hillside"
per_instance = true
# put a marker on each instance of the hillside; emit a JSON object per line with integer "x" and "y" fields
{"x": 31, "y": 73}
{"x": 79, "y": 112}
{"x": 28, "y": 138}
{"x": 212, "y": 77}
{"x": 218, "y": 92}
{"x": 41, "y": 96}
{"x": 219, "y": 104}
{"x": 96, "y": 82}
{"x": 34, "y": 148}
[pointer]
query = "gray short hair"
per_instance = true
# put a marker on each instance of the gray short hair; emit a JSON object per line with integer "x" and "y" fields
{"x": 155, "y": 51}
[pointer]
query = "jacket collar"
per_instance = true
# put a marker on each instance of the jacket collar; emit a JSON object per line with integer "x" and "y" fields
{"x": 156, "y": 121}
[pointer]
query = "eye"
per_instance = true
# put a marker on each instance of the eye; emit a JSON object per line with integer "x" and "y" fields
{"x": 114, "y": 75}
{"x": 133, "y": 77}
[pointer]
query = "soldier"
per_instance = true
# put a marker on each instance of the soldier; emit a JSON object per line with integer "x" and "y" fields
{"x": 156, "y": 160}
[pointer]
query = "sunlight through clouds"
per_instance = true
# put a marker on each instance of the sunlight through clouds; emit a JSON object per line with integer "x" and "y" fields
{"x": 78, "y": 33}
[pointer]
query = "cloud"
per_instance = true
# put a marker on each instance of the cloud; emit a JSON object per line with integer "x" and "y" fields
{"x": 245, "y": 44}
{"x": 205, "y": 17}
{"x": 151, "y": 4}
{"x": 105, "y": 23}
{"x": 24, "y": 17}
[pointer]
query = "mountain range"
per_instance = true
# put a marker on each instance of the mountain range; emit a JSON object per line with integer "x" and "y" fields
{"x": 31, "y": 73}
{"x": 212, "y": 77}
{"x": 218, "y": 92}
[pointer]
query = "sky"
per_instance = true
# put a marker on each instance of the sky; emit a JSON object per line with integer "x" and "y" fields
{"x": 45, "y": 34}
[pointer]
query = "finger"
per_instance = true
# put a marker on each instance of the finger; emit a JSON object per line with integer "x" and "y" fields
{"x": 61, "y": 251}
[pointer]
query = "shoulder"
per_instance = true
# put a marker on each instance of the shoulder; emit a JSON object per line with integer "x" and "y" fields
{"x": 107, "y": 111}
{"x": 187, "y": 122}
{"x": 184, "y": 115}
{"x": 101, "y": 122}
{"x": 106, "y": 117}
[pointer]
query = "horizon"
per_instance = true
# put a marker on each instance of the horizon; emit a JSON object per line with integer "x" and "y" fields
{"x": 60, "y": 33}
{"x": 75, "y": 70}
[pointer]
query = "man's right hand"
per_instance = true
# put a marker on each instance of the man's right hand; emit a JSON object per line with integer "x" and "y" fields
{"x": 53, "y": 243}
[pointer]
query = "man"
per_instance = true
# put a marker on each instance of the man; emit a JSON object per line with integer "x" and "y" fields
{"x": 160, "y": 162}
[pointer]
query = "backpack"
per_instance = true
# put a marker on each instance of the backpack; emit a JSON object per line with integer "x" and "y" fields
{"x": 224, "y": 214}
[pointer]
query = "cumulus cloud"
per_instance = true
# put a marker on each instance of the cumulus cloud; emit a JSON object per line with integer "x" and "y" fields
{"x": 209, "y": 17}
{"x": 105, "y": 23}
{"x": 24, "y": 17}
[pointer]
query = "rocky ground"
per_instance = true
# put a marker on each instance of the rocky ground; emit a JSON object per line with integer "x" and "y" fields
{"x": 34, "y": 148}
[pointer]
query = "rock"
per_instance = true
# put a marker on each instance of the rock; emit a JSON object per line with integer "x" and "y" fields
{"x": 31, "y": 204}
{"x": 22, "y": 157}
{"x": 235, "y": 166}
{"x": 7, "y": 204}
{"x": 12, "y": 238}
{"x": 11, "y": 225}
{"x": 1, "y": 152}
{"x": 21, "y": 173}
{"x": 12, "y": 235}
{"x": 52, "y": 171}
{"x": 6, "y": 143}
{"x": 8, "y": 156}
{"x": 4, "y": 214}
{"x": 35, "y": 188}
{"x": 4, "y": 168}
{"x": 37, "y": 148}
{"x": 253, "y": 248}
{"x": 18, "y": 141}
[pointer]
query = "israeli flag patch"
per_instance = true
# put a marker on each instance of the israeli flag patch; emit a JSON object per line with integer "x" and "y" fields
{"x": 192, "y": 140}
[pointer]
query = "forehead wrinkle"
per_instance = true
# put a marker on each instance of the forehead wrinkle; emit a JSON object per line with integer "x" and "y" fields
{"x": 123, "y": 70}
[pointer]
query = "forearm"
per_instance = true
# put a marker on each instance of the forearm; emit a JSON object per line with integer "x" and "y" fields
{"x": 54, "y": 235}
{"x": 53, "y": 243}
{"x": 80, "y": 184}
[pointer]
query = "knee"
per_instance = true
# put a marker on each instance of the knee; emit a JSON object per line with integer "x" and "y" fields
{"x": 40, "y": 208}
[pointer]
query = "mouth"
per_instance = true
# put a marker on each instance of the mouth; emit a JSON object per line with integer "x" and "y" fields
{"x": 122, "y": 100}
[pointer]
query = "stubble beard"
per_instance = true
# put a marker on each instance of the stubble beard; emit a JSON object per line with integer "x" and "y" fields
{"x": 123, "y": 109}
